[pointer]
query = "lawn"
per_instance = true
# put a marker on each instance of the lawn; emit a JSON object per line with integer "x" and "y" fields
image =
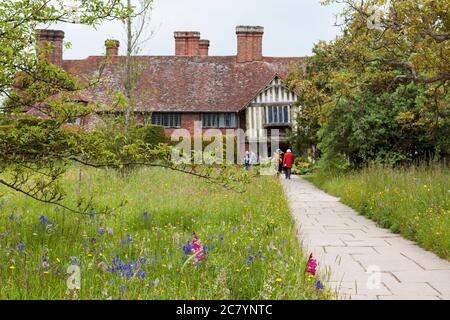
{"x": 414, "y": 202}
{"x": 141, "y": 249}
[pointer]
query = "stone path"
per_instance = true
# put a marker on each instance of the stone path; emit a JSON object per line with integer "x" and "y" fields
{"x": 355, "y": 253}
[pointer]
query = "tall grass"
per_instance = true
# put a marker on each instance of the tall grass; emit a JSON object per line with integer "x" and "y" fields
{"x": 252, "y": 250}
{"x": 414, "y": 201}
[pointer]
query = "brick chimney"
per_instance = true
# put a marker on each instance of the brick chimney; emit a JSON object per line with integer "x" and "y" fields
{"x": 187, "y": 43}
{"x": 50, "y": 45}
{"x": 112, "y": 47}
{"x": 249, "y": 43}
{"x": 204, "y": 48}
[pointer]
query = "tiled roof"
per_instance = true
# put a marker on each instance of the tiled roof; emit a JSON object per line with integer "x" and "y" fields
{"x": 180, "y": 83}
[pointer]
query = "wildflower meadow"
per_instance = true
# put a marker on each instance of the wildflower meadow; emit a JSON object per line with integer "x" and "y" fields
{"x": 171, "y": 237}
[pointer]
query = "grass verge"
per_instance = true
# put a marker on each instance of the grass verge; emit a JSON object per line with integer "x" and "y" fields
{"x": 414, "y": 202}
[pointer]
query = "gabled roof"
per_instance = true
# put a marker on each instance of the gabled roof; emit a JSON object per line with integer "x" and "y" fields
{"x": 182, "y": 84}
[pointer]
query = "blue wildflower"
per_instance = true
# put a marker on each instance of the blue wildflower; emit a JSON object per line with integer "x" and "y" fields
{"x": 205, "y": 249}
{"x": 263, "y": 258}
{"x": 187, "y": 248}
{"x": 250, "y": 259}
{"x": 319, "y": 285}
{"x": 21, "y": 246}
{"x": 220, "y": 237}
{"x": 141, "y": 274}
{"x": 92, "y": 214}
{"x": 93, "y": 240}
{"x": 122, "y": 242}
{"x": 11, "y": 217}
{"x": 43, "y": 220}
{"x": 122, "y": 287}
{"x": 100, "y": 231}
{"x": 129, "y": 238}
{"x": 146, "y": 214}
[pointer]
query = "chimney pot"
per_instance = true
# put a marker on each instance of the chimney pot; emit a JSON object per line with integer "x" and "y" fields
{"x": 50, "y": 45}
{"x": 204, "y": 48}
{"x": 112, "y": 47}
{"x": 249, "y": 45}
{"x": 187, "y": 43}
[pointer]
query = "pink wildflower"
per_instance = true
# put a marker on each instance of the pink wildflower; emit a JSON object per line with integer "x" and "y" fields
{"x": 197, "y": 248}
{"x": 311, "y": 265}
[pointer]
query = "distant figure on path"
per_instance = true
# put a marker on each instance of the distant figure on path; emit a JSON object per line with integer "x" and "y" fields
{"x": 288, "y": 161}
{"x": 280, "y": 162}
{"x": 247, "y": 160}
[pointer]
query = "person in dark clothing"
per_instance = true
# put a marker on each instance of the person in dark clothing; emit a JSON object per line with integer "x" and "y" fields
{"x": 280, "y": 163}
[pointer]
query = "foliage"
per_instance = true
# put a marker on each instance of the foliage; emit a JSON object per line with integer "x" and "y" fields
{"x": 35, "y": 154}
{"x": 251, "y": 247}
{"x": 379, "y": 92}
{"x": 412, "y": 201}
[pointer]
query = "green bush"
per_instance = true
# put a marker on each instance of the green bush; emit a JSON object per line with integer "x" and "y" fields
{"x": 149, "y": 133}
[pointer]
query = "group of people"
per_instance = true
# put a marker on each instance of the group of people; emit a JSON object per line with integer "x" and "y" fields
{"x": 281, "y": 161}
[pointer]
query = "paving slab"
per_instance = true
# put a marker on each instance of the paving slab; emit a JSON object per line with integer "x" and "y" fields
{"x": 360, "y": 259}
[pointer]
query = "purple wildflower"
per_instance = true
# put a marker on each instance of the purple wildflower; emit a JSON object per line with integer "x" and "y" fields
{"x": 146, "y": 214}
{"x": 43, "y": 220}
{"x": 141, "y": 274}
{"x": 122, "y": 242}
{"x": 319, "y": 285}
{"x": 100, "y": 231}
{"x": 109, "y": 231}
{"x": 187, "y": 248}
{"x": 21, "y": 246}
{"x": 11, "y": 217}
{"x": 129, "y": 238}
{"x": 93, "y": 240}
{"x": 220, "y": 237}
{"x": 250, "y": 259}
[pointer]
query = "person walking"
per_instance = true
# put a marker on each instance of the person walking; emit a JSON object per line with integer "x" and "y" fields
{"x": 280, "y": 162}
{"x": 288, "y": 161}
{"x": 247, "y": 160}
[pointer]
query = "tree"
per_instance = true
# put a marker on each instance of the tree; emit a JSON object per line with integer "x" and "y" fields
{"x": 137, "y": 30}
{"x": 380, "y": 90}
{"x": 36, "y": 153}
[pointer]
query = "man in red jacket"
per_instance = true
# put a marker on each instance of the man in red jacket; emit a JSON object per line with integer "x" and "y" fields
{"x": 288, "y": 161}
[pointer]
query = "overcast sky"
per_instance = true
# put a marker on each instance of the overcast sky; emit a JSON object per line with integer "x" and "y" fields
{"x": 291, "y": 26}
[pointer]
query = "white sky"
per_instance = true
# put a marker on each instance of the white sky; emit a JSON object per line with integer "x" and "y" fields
{"x": 291, "y": 26}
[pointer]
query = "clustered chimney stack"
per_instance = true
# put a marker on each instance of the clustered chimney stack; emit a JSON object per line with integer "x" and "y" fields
{"x": 204, "y": 48}
{"x": 112, "y": 48}
{"x": 50, "y": 45}
{"x": 249, "y": 43}
{"x": 187, "y": 43}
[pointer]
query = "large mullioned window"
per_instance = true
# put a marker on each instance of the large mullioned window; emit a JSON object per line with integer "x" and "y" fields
{"x": 168, "y": 120}
{"x": 277, "y": 114}
{"x": 219, "y": 120}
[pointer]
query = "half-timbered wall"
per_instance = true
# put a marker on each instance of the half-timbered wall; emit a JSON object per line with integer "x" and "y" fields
{"x": 274, "y": 95}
